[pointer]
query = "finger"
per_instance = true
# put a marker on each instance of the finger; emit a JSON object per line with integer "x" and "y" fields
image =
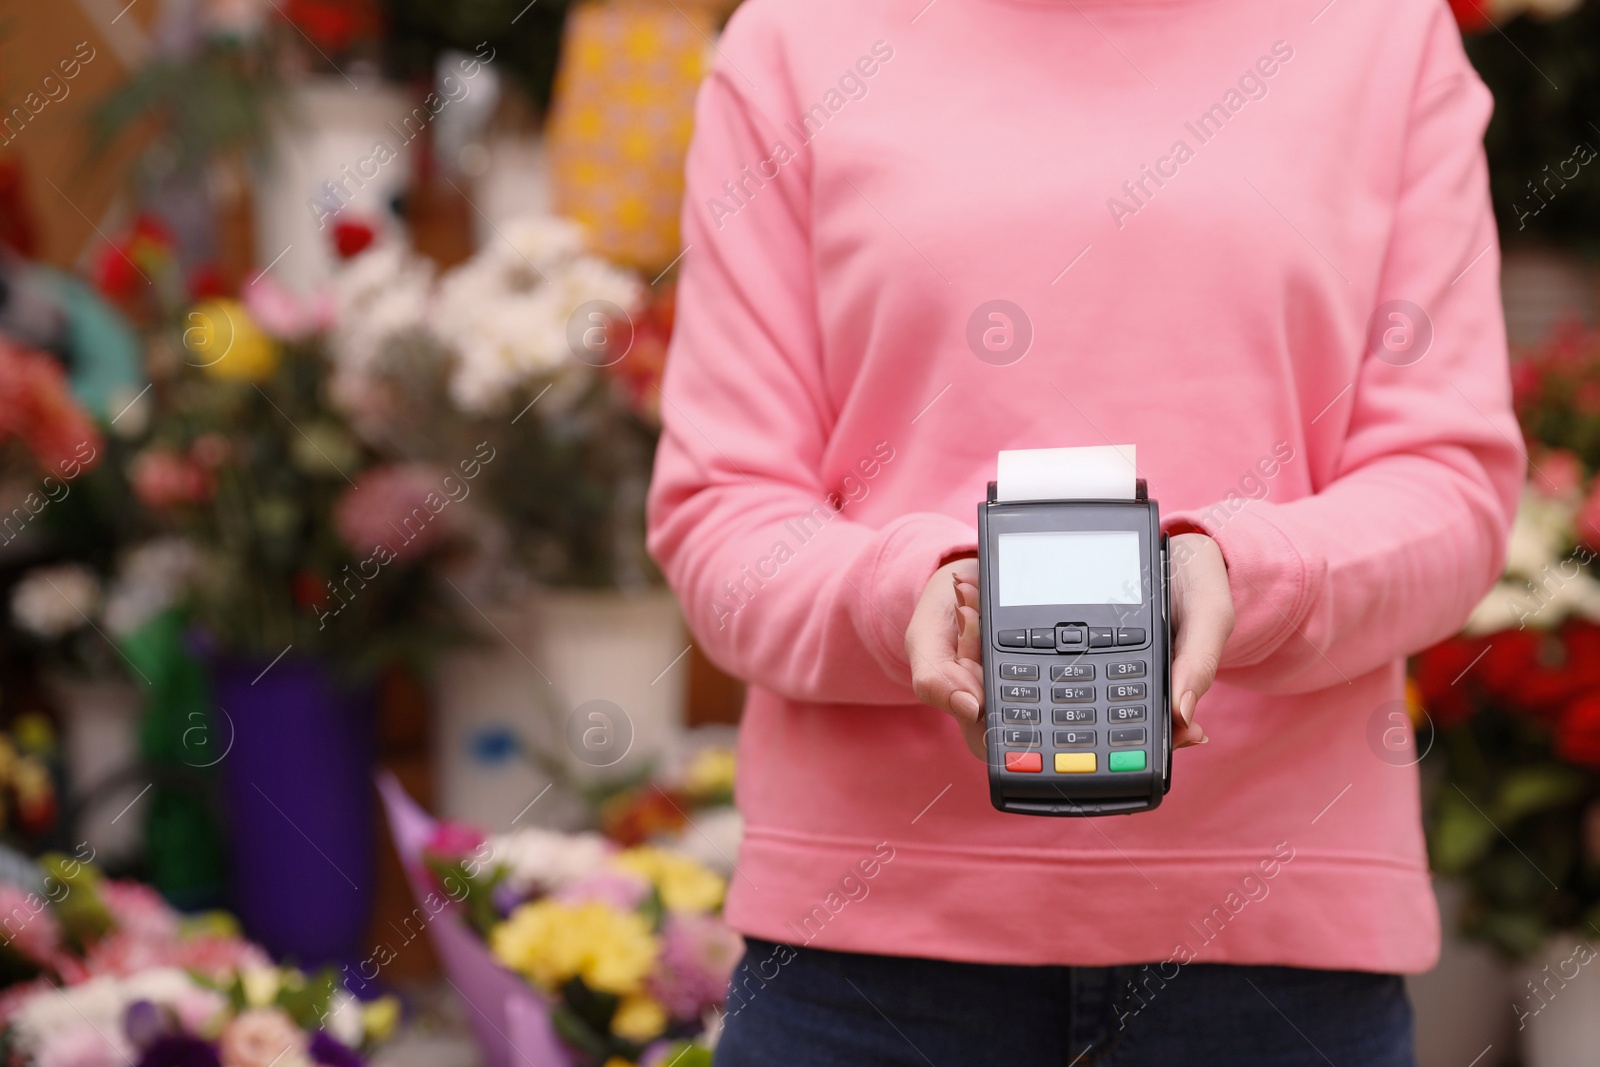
{"x": 936, "y": 678}
{"x": 976, "y": 736}
{"x": 1203, "y": 609}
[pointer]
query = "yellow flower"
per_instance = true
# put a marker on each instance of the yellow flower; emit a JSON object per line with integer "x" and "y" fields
{"x": 380, "y": 1017}
{"x": 684, "y": 885}
{"x": 639, "y": 1018}
{"x": 710, "y": 772}
{"x": 618, "y": 1061}
{"x": 225, "y": 341}
{"x": 550, "y": 942}
{"x": 260, "y": 985}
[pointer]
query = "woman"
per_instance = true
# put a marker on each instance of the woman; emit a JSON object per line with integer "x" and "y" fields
{"x": 1252, "y": 237}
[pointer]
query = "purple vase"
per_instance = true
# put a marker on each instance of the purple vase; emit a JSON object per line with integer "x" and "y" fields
{"x": 298, "y": 782}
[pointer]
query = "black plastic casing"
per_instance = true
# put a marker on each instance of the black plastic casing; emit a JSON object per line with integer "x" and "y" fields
{"x": 1103, "y": 792}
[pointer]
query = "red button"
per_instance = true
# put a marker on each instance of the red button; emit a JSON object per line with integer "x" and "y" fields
{"x": 1024, "y": 761}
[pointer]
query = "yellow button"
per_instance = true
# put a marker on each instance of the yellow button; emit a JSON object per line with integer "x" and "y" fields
{"x": 1074, "y": 762}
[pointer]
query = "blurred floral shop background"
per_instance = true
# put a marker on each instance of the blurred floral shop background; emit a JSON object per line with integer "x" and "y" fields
{"x": 343, "y": 716}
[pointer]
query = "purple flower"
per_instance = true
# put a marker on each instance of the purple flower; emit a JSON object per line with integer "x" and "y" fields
{"x": 624, "y": 892}
{"x": 143, "y": 1023}
{"x": 331, "y": 1052}
{"x": 698, "y": 954}
{"x": 176, "y": 1050}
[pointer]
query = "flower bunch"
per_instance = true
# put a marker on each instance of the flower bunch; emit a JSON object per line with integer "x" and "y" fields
{"x": 165, "y": 1016}
{"x": 627, "y": 943}
{"x": 1514, "y": 701}
{"x": 656, "y": 810}
{"x": 104, "y": 973}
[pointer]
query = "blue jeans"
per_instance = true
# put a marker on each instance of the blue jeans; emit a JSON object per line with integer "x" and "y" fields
{"x": 804, "y": 1007}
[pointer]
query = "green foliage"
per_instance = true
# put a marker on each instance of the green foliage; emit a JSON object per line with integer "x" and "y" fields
{"x": 220, "y": 101}
{"x": 1508, "y": 818}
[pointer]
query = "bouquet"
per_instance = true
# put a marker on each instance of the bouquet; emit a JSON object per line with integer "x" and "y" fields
{"x": 104, "y": 973}
{"x": 1514, "y": 701}
{"x": 544, "y": 353}
{"x": 626, "y": 944}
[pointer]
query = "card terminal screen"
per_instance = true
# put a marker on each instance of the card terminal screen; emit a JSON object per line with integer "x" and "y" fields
{"x": 1078, "y": 567}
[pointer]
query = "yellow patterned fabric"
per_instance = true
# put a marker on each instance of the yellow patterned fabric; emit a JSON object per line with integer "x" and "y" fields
{"x": 620, "y": 120}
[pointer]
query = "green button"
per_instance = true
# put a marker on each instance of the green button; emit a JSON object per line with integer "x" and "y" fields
{"x": 1127, "y": 761}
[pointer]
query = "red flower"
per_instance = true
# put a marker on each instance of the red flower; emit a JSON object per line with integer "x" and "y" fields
{"x": 1471, "y": 15}
{"x": 1438, "y": 671}
{"x": 452, "y": 840}
{"x": 37, "y": 407}
{"x": 1578, "y": 733}
{"x": 309, "y": 589}
{"x": 163, "y": 478}
{"x": 351, "y": 237}
{"x": 125, "y": 265}
{"x": 334, "y": 24}
{"x": 206, "y": 282}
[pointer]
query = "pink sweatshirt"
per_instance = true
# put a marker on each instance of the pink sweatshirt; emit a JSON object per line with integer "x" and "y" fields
{"x": 1201, "y": 214}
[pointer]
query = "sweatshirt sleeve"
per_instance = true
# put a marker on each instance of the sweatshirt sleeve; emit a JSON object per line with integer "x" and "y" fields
{"x": 778, "y": 585}
{"x": 1392, "y": 554}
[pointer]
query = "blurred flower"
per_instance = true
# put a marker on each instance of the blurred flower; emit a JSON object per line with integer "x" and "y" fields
{"x": 284, "y": 314}
{"x": 713, "y": 839}
{"x": 506, "y": 311}
{"x": 260, "y": 985}
{"x": 1559, "y": 473}
{"x": 261, "y": 1037}
{"x": 1578, "y": 733}
{"x": 380, "y": 295}
{"x": 324, "y": 448}
{"x": 543, "y": 860}
{"x": 225, "y": 342}
{"x": 53, "y": 601}
{"x": 200, "y": 1011}
{"x": 126, "y": 264}
{"x": 552, "y": 943}
{"x": 351, "y": 237}
{"x": 390, "y": 507}
{"x": 37, "y": 408}
{"x": 710, "y": 772}
{"x": 639, "y": 1018}
{"x": 31, "y": 927}
{"x": 380, "y": 1018}
{"x": 635, "y": 817}
{"x": 698, "y": 955}
{"x": 621, "y": 891}
{"x": 163, "y": 478}
{"x": 452, "y": 840}
{"x": 239, "y": 20}
{"x": 79, "y": 1046}
{"x": 684, "y": 884}
{"x": 149, "y": 579}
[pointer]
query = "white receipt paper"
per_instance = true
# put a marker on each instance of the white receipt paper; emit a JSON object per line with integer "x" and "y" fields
{"x": 1093, "y": 472}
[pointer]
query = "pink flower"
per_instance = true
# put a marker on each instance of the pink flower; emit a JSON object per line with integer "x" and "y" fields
{"x": 452, "y": 840}
{"x": 401, "y": 506}
{"x": 285, "y": 314}
{"x": 80, "y": 1046}
{"x": 163, "y": 478}
{"x": 199, "y": 1010}
{"x": 27, "y": 924}
{"x": 1559, "y": 474}
{"x": 622, "y": 891}
{"x": 139, "y": 910}
{"x": 698, "y": 955}
{"x": 259, "y": 1037}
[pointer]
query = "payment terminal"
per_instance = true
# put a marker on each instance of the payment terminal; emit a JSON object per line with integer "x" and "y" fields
{"x": 1076, "y": 654}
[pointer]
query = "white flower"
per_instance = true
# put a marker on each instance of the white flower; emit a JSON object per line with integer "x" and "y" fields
{"x": 53, "y": 601}
{"x": 343, "y": 1020}
{"x": 544, "y": 860}
{"x": 1542, "y": 530}
{"x": 1507, "y": 606}
{"x": 100, "y": 1003}
{"x": 712, "y": 838}
{"x": 149, "y": 579}
{"x": 507, "y": 312}
{"x": 379, "y": 295}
